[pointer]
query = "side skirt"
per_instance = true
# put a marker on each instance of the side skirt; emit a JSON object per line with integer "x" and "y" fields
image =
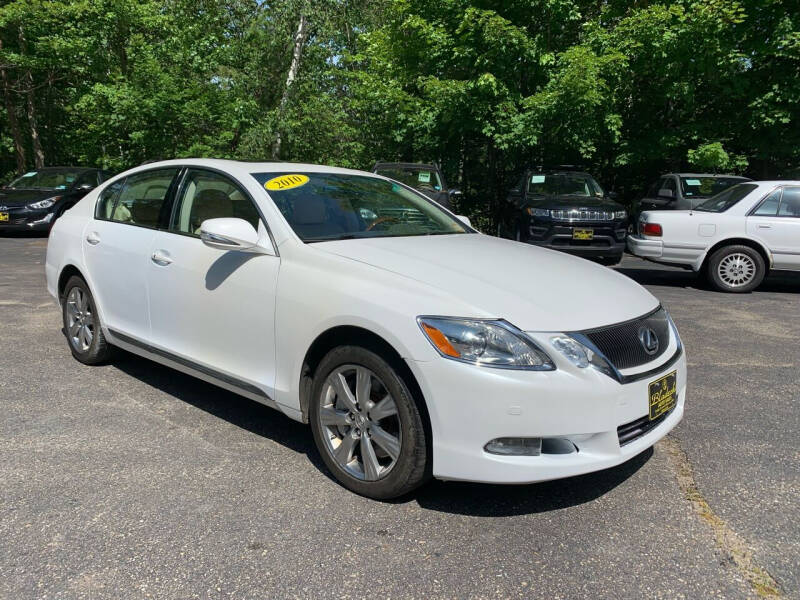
{"x": 189, "y": 367}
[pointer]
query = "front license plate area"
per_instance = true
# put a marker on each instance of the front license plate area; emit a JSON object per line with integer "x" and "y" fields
{"x": 663, "y": 394}
{"x": 582, "y": 234}
{"x": 3, "y": 216}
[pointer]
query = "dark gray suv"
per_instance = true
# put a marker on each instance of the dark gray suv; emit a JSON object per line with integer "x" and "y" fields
{"x": 684, "y": 191}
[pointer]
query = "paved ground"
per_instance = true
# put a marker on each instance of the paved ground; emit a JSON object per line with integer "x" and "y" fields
{"x": 131, "y": 480}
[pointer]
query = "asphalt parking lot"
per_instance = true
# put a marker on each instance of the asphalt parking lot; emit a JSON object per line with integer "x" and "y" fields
{"x": 131, "y": 480}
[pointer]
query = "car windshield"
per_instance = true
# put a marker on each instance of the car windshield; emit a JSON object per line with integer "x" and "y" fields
{"x": 705, "y": 187}
{"x": 50, "y": 179}
{"x": 334, "y": 206}
{"x": 724, "y": 200}
{"x": 564, "y": 184}
{"x": 425, "y": 180}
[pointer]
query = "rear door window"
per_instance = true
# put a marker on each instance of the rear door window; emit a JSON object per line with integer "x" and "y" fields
{"x": 790, "y": 202}
{"x": 769, "y": 206}
{"x": 142, "y": 198}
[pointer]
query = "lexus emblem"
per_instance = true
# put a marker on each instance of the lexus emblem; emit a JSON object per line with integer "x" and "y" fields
{"x": 649, "y": 340}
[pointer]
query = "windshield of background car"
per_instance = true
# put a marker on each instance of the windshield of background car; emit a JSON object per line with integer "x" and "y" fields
{"x": 51, "y": 180}
{"x": 564, "y": 184}
{"x": 724, "y": 200}
{"x": 425, "y": 180}
{"x": 694, "y": 187}
{"x": 333, "y": 206}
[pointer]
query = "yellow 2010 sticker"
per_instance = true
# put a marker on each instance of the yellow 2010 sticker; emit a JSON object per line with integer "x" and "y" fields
{"x": 286, "y": 182}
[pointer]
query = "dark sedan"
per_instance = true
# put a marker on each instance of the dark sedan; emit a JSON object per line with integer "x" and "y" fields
{"x": 35, "y": 200}
{"x": 565, "y": 210}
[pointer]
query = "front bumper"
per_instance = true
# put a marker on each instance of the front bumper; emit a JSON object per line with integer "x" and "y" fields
{"x": 608, "y": 237}
{"x": 25, "y": 219}
{"x": 470, "y": 406}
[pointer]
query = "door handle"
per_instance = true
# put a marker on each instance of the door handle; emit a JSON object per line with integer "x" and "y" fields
{"x": 161, "y": 257}
{"x": 765, "y": 226}
{"x": 93, "y": 238}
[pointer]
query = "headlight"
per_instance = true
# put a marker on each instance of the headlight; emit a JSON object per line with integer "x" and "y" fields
{"x": 44, "y": 203}
{"x": 620, "y": 214}
{"x": 484, "y": 343}
{"x": 579, "y": 355}
{"x": 539, "y": 212}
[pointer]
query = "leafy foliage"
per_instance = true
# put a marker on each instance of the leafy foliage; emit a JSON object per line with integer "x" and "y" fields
{"x": 629, "y": 90}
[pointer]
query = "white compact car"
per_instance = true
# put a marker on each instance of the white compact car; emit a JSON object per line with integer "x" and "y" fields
{"x": 412, "y": 344}
{"x": 733, "y": 238}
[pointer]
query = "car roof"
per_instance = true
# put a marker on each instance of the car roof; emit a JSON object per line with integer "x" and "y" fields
{"x": 404, "y": 165}
{"x": 248, "y": 167}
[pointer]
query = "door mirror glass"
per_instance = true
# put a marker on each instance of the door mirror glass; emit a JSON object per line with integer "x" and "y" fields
{"x": 454, "y": 192}
{"x": 231, "y": 233}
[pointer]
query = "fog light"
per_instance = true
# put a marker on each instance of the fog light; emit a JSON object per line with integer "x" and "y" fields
{"x": 515, "y": 446}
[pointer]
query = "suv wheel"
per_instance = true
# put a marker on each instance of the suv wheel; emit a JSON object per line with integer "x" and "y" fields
{"x": 736, "y": 269}
{"x": 82, "y": 324}
{"x": 366, "y": 424}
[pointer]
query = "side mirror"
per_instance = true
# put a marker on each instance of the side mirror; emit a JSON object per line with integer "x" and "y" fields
{"x": 454, "y": 192}
{"x": 664, "y": 193}
{"x": 613, "y": 195}
{"x": 464, "y": 220}
{"x": 231, "y": 234}
{"x": 85, "y": 187}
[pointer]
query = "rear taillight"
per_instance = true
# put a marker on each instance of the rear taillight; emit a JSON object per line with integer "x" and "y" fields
{"x": 653, "y": 229}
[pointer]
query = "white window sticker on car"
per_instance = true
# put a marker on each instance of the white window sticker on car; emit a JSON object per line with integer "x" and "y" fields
{"x": 537, "y": 179}
{"x": 424, "y": 177}
{"x": 692, "y": 182}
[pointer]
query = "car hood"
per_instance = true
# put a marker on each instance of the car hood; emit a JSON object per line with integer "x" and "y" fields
{"x": 20, "y": 197}
{"x": 534, "y": 288}
{"x": 561, "y": 202}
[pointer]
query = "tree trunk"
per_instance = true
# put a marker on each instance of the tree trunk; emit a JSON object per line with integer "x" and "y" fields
{"x": 297, "y": 53}
{"x": 38, "y": 153}
{"x": 16, "y": 134}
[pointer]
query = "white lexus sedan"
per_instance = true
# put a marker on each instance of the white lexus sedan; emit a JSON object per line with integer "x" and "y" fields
{"x": 733, "y": 238}
{"x": 413, "y": 345}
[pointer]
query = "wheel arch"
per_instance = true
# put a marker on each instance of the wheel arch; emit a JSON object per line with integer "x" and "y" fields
{"x": 69, "y": 270}
{"x": 738, "y": 241}
{"x": 351, "y": 335}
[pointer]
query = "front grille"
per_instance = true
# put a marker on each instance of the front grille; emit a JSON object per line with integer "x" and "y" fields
{"x": 632, "y": 431}
{"x": 581, "y": 214}
{"x": 622, "y": 345}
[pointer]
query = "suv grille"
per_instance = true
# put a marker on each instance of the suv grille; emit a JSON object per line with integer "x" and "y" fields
{"x": 573, "y": 214}
{"x": 622, "y": 345}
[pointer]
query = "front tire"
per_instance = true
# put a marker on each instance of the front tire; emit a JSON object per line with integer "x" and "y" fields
{"x": 736, "y": 269}
{"x": 82, "y": 324}
{"x": 366, "y": 424}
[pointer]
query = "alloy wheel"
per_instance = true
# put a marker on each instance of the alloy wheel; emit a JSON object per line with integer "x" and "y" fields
{"x": 736, "y": 269}
{"x": 80, "y": 320}
{"x": 359, "y": 422}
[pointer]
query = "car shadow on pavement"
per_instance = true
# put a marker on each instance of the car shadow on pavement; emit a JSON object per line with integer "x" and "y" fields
{"x": 777, "y": 281}
{"x": 237, "y": 410}
{"x": 485, "y": 500}
{"x": 452, "y": 497}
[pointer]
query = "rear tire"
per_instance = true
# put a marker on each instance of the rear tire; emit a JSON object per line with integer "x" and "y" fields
{"x": 366, "y": 424}
{"x": 736, "y": 269}
{"x": 82, "y": 325}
